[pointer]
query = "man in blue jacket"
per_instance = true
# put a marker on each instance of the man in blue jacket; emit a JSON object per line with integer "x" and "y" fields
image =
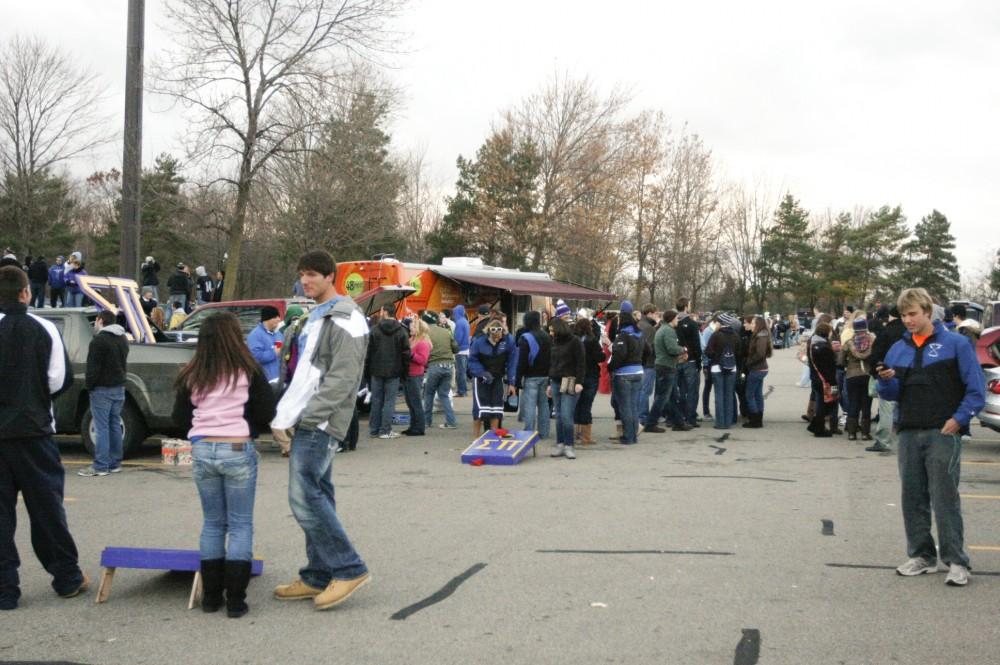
{"x": 57, "y": 283}
{"x": 463, "y": 337}
{"x": 936, "y": 380}
{"x": 265, "y": 343}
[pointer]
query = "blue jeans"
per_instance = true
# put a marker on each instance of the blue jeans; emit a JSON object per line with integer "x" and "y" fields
{"x": 724, "y": 384}
{"x": 663, "y": 403}
{"x": 461, "y": 375}
{"x": 755, "y": 391}
{"x": 438, "y": 383}
{"x": 38, "y": 294}
{"x": 413, "y": 390}
{"x": 32, "y": 466}
{"x": 227, "y": 485}
{"x": 106, "y": 409}
{"x": 646, "y": 392}
{"x": 384, "y": 391}
{"x": 627, "y": 388}
{"x": 929, "y": 466}
{"x": 178, "y": 297}
{"x": 585, "y": 404}
{"x": 688, "y": 378}
{"x": 74, "y": 299}
{"x": 565, "y": 406}
{"x": 535, "y": 405}
{"x": 329, "y": 553}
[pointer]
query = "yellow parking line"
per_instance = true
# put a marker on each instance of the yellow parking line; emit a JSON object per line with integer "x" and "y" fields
{"x": 983, "y": 463}
{"x": 991, "y": 497}
{"x": 984, "y": 548}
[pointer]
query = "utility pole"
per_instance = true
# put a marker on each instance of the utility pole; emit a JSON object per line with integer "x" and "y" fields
{"x": 128, "y": 262}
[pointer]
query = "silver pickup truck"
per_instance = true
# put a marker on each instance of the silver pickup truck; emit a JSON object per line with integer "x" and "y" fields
{"x": 149, "y": 383}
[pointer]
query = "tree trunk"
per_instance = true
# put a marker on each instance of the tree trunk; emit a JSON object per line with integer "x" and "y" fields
{"x": 236, "y": 232}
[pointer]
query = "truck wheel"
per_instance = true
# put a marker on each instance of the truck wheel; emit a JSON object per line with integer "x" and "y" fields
{"x": 133, "y": 430}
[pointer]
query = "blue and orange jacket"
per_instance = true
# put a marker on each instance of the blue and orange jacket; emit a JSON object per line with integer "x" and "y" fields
{"x": 937, "y": 381}
{"x": 498, "y": 359}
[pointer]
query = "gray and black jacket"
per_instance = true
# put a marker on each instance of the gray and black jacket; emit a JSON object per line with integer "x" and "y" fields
{"x": 323, "y": 390}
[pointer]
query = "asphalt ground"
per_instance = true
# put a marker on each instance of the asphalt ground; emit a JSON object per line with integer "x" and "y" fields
{"x": 765, "y": 546}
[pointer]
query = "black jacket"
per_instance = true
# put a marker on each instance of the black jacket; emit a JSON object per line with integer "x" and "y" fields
{"x": 717, "y": 343}
{"x": 689, "y": 336}
{"x": 891, "y": 333}
{"x": 107, "y": 359}
{"x": 259, "y": 410}
{"x": 568, "y": 359}
{"x": 38, "y": 271}
{"x": 180, "y": 284}
{"x": 822, "y": 360}
{"x": 388, "y": 350}
{"x": 647, "y": 327}
{"x": 542, "y": 361}
{"x": 35, "y": 370}
{"x": 151, "y": 274}
{"x": 593, "y": 355}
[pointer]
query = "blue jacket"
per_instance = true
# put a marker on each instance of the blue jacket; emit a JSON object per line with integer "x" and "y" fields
{"x": 498, "y": 360}
{"x": 57, "y": 280}
{"x": 935, "y": 382}
{"x": 261, "y": 343}
{"x": 463, "y": 336}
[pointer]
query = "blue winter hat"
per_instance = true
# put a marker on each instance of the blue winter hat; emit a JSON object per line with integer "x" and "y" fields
{"x": 562, "y": 309}
{"x": 626, "y": 307}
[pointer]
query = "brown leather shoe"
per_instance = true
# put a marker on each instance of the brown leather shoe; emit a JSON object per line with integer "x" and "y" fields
{"x": 297, "y": 590}
{"x": 340, "y": 590}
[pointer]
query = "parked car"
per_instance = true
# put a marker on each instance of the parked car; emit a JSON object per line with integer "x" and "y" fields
{"x": 988, "y": 353}
{"x": 247, "y": 311}
{"x": 149, "y": 383}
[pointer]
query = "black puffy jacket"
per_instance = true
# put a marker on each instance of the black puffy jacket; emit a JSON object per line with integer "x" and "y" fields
{"x": 388, "y": 350}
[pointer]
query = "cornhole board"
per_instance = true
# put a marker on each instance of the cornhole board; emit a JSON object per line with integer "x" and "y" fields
{"x": 157, "y": 559}
{"x": 505, "y": 451}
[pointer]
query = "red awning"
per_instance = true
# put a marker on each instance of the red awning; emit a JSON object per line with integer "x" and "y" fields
{"x": 530, "y": 287}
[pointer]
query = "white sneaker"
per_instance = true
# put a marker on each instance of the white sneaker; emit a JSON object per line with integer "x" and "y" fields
{"x": 390, "y": 435}
{"x": 916, "y": 566}
{"x": 447, "y": 426}
{"x": 560, "y": 450}
{"x": 958, "y": 575}
{"x": 570, "y": 453}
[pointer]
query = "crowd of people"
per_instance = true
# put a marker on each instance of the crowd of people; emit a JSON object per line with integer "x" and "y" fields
{"x": 304, "y": 383}
{"x": 57, "y": 285}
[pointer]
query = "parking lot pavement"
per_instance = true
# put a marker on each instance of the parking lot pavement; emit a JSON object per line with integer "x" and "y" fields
{"x": 762, "y": 546}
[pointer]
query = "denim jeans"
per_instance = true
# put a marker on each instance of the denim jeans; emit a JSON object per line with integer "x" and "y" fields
{"x": 329, "y": 553}
{"x": 461, "y": 375}
{"x": 384, "y": 391}
{"x": 33, "y": 468}
{"x": 565, "y": 406}
{"x": 929, "y": 466}
{"x": 535, "y": 405}
{"x": 627, "y": 388}
{"x": 706, "y": 393}
{"x": 413, "y": 390}
{"x": 38, "y": 294}
{"x": 106, "y": 409}
{"x": 178, "y": 297}
{"x": 74, "y": 299}
{"x": 724, "y": 384}
{"x": 755, "y": 391}
{"x": 438, "y": 383}
{"x": 585, "y": 404}
{"x": 663, "y": 402}
{"x": 686, "y": 394}
{"x": 646, "y": 392}
{"x": 227, "y": 484}
{"x": 885, "y": 433}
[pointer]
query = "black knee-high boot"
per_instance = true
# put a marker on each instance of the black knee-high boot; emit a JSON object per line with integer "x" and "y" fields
{"x": 237, "y": 579}
{"x": 212, "y": 583}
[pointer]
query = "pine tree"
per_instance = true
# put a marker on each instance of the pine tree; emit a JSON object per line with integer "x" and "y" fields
{"x": 786, "y": 253}
{"x": 877, "y": 248}
{"x": 929, "y": 258}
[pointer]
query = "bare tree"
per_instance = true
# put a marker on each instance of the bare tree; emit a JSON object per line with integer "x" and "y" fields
{"x": 420, "y": 210}
{"x": 247, "y": 67}
{"x": 744, "y": 219}
{"x": 49, "y": 114}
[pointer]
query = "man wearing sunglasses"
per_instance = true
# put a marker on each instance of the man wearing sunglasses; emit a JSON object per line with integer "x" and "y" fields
{"x": 492, "y": 357}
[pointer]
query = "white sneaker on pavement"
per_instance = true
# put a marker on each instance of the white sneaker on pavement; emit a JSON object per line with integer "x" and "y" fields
{"x": 916, "y": 566}
{"x": 958, "y": 575}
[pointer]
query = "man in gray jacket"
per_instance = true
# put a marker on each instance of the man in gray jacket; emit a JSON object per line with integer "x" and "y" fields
{"x": 320, "y": 402}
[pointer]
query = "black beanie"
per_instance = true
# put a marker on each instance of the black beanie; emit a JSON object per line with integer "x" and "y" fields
{"x": 268, "y": 312}
{"x": 532, "y": 320}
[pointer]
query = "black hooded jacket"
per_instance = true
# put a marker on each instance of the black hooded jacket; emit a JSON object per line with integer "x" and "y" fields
{"x": 539, "y": 365}
{"x": 388, "y": 350}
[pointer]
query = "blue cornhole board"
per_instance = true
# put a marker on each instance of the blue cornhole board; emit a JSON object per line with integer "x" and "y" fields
{"x": 156, "y": 559}
{"x": 505, "y": 452}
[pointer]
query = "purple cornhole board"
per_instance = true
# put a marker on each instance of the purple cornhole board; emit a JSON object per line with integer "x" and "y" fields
{"x": 154, "y": 559}
{"x": 505, "y": 452}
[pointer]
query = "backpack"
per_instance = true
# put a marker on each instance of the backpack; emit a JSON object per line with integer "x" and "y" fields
{"x": 727, "y": 360}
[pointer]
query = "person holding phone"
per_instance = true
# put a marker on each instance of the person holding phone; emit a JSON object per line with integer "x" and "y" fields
{"x": 936, "y": 380}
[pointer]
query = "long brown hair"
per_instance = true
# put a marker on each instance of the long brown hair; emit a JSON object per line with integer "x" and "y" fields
{"x": 221, "y": 356}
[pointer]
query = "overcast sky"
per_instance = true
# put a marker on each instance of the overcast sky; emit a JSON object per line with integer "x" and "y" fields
{"x": 843, "y": 104}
